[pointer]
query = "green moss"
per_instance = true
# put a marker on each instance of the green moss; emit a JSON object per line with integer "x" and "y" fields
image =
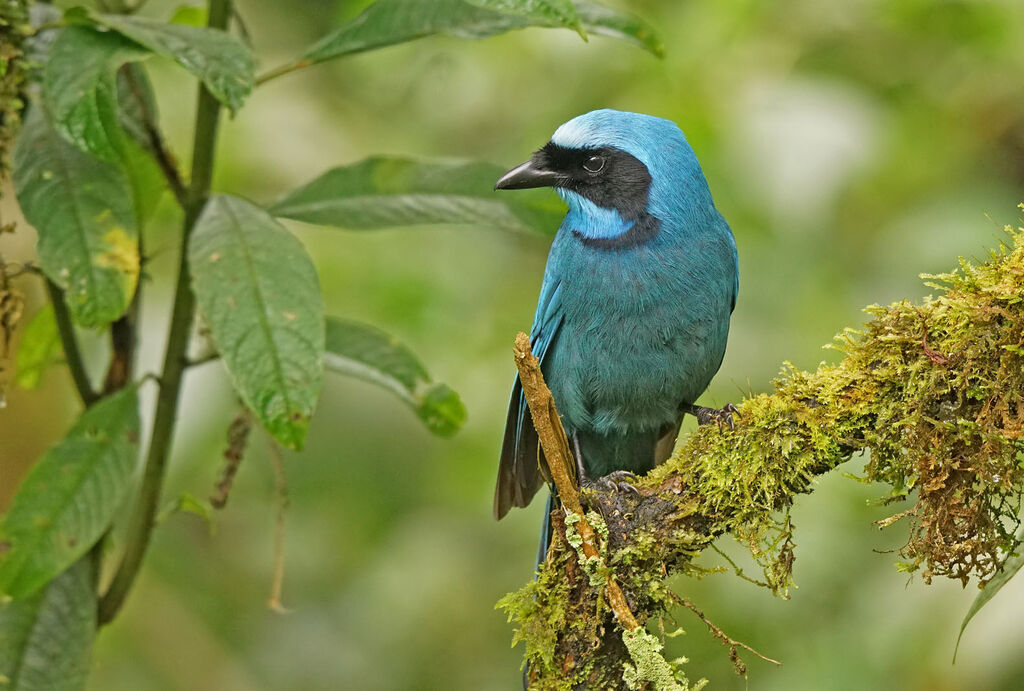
{"x": 13, "y": 30}
{"x": 933, "y": 392}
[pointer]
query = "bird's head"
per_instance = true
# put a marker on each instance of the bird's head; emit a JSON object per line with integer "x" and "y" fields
{"x": 616, "y": 169}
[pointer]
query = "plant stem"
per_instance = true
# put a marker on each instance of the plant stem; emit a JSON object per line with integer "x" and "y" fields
{"x": 158, "y": 148}
{"x": 182, "y": 315}
{"x": 69, "y": 341}
{"x": 282, "y": 70}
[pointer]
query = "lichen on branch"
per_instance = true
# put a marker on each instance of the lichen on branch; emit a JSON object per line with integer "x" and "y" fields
{"x": 933, "y": 392}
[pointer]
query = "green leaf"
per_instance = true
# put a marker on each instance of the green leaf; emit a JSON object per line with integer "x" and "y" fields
{"x": 46, "y": 639}
{"x": 1010, "y": 568}
{"x": 39, "y": 348}
{"x": 387, "y": 22}
{"x": 146, "y": 180}
{"x": 559, "y": 12}
{"x": 79, "y": 87}
{"x": 188, "y": 503}
{"x": 68, "y": 499}
{"x": 190, "y": 15}
{"x": 388, "y": 192}
{"x": 223, "y": 63}
{"x": 604, "y": 21}
{"x": 82, "y": 208}
{"x": 102, "y": 114}
{"x": 258, "y": 291}
{"x": 363, "y": 351}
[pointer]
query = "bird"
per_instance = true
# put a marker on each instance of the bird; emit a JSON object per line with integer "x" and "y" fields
{"x": 633, "y": 315}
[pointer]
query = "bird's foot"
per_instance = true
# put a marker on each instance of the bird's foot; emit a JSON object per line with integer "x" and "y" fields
{"x": 720, "y": 416}
{"x": 618, "y": 481}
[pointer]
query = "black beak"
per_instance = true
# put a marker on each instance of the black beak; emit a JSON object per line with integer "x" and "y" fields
{"x": 527, "y": 175}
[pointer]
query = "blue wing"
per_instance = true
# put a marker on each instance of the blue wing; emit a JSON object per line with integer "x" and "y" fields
{"x": 519, "y": 475}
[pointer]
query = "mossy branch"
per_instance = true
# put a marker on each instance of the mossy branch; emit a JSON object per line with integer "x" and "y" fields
{"x": 934, "y": 392}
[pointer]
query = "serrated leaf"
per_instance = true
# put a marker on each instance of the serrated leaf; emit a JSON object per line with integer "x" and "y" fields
{"x": 387, "y": 192}
{"x": 366, "y": 352}
{"x": 387, "y": 22}
{"x": 82, "y": 208}
{"x": 79, "y": 88}
{"x": 258, "y": 292}
{"x": 69, "y": 497}
{"x": 46, "y": 639}
{"x": 223, "y": 63}
{"x": 1010, "y": 568}
{"x": 39, "y": 348}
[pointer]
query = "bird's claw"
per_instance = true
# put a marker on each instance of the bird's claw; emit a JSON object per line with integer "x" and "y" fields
{"x": 720, "y": 416}
{"x": 618, "y": 481}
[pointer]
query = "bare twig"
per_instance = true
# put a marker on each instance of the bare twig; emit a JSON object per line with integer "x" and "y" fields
{"x": 732, "y": 644}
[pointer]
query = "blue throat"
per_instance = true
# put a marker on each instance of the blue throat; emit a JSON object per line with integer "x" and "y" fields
{"x": 604, "y": 228}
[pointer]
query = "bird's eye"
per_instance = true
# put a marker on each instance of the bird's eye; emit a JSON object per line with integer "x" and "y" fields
{"x": 594, "y": 164}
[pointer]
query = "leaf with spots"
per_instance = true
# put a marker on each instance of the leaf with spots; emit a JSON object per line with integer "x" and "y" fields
{"x": 258, "y": 292}
{"x": 386, "y": 192}
{"x": 46, "y": 639}
{"x": 366, "y": 352}
{"x": 223, "y": 63}
{"x": 83, "y": 210}
{"x": 99, "y": 98}
{"x": 80, "y": 90}
{"x": 70, "y": 496}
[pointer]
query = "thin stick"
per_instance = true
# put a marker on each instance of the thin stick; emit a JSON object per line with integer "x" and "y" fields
{"x": 732, "y": 644}
{"x": 559, "y": 459}
{"x": 281, "y": 485}
{"x": 282, "y": 70}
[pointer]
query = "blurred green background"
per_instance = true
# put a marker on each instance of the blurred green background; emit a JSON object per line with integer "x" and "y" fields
{"x": 851, "y": 144}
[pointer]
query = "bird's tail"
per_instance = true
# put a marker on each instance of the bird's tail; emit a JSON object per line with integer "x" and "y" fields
{"x": 545, "y": 529}
{"x": 542, "y": 551}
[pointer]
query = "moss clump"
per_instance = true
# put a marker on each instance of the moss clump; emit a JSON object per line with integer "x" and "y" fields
{"x": 14, "y": 29}
{"x": 933, "y": 391}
